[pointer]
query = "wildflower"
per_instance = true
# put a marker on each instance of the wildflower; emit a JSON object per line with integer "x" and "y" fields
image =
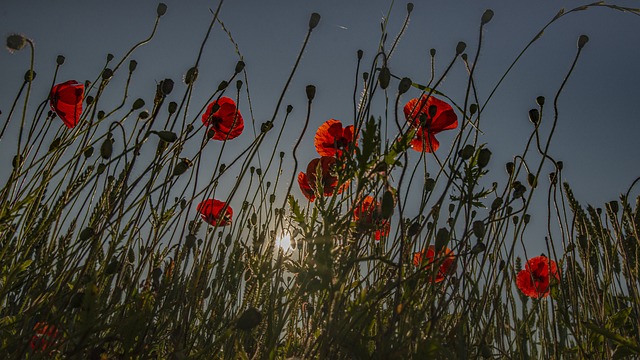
{"x": 368, "y": 216}
{"x": 332, "y": 139}
{"x": 45, "y": 336}
{"x": 223, "y": 119}
{"x": 211, "y": 211}
{"x": 445, "y": 258}
{"x": 535, "y": 278}
{"x": 308, "y": 180}
{"x": 66, "y": 100}
{"x": 430, "y": 116}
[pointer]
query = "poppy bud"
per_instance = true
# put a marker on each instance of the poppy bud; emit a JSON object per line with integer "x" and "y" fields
{"x": 168, "y": 136}
{"x": 60, "y": 60}
{"x": 314, "y": 20}
{"x": 478, "y": 248}
{"x": 281, "y": 154}
{"x": 109, "y": 57}
{"x": 289, "y": 109}
{"x": 483, "y": 157}
{"x": 387, "y": 204}
{"x": 167, "y": 86}
{"x": 409, "y": 7}
{"x": 496, "y": 204}
{"x": 534, "y": 116}
{"x": 432, "y": 52}
{"x": 239, "y": 66}
{"x": 133, "y": 65}
{"x": 173, "y": 106}
{"x": 553, "y": 178}
{"x": 89, "y": 100}
{"x": 582, "y": 41}
{"x": 311, "y": 92}
{"x": 101, "y": 115}
{"x": 442, "y": 239}
{"x": 101, "y": 168}
{"x": 272, "y": 198}
{"x": 250, "y": 318}
{"x": 143, "y": 114}
{"x": 106, "y": 149}
{"x": 526, "y": 218}
{"x": 87, "y": 233}
{"x": 478, "y": 229}
{"x": 54, "y": 144}
{"x": 161, "y": 9}
{"x": 131, "y": 255}
{"x": 365, "y": 76}
{"x": 266, "y": 126}
{"x": 467, "y": 151}
{"x": 107, "y": 74}
{"x": 384, "y": 77}
{"x": 473, "y": 108}
{"x": 540, "y": 100}
{"x": 16, "y": 42}
{"x": 259, "y": 172}
{"x": 531, "y": 180}
{"x": 88, "y": 152}
{"x": 460, "y": 47}
{"x": 414, "y": 229}
{"x": 429, "y": 184}
{"x": 360, "y": 53}
{"x": 239, "y": 84}
{"x": 181, "y": 167}
{"x": 223, "y": 85}
{"x": 487, "y": 16}
{"x": 510, "y": 167}
{"x": 405, "y": 85}
{"x": 138, "y": 104}
{"x": 29, "y": 76}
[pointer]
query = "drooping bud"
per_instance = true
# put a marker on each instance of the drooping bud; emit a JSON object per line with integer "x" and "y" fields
{"x": 510, "y": 167}
{"x": 384, "y": 77}
{"x": 405, "y": 85}
{"x": 534, "y": 116}
{"x": 16, "y": 42}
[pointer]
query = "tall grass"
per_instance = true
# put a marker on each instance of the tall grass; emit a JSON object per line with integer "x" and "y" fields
{"x": 401, "y": 254}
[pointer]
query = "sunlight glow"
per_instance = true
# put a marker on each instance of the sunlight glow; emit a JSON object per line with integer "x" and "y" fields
{"x": 284, "y": 242}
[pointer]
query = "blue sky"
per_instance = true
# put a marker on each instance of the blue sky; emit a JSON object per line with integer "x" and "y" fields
{"x": 598, "y": 127}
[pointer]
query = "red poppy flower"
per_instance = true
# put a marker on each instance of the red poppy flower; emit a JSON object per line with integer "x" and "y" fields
{"x": 307, "y": 181}
{"x": 45, "y": 336}
{"x": 66, "y": 101}
{"x": 211, "y": 211}
{"x": 445, "y": 258}
{"x": 535, "y": 278}
{"x": 226, "y": 122}
{"x": 442, "y": 118}
{"x": 368, "y": 217}
{"x": 331, "y": 139}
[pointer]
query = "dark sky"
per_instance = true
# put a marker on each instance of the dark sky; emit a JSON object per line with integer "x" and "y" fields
{"x": 598, "y": 127}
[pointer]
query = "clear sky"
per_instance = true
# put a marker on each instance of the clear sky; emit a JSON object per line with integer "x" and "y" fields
{"x": 598, "y": 128}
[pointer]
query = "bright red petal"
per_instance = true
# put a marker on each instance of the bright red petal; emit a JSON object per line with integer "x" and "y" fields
{"x": 303, "y": 182}
{"x": 66, "y": 101}
{"x": 211, "y": 212}
{"x": 425, "y": 142}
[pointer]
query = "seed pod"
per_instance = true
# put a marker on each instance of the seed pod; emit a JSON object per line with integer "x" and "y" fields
{"x": 29, "y": 76}
{"x": 133, "y": 65}
{"x": 460, "y": 47}
{"x": 60, "y": 60}
{"x": 239, "y": 66}
{"x": 582, "y": 41}
{"x": 173, "y": 106}
{"x": 161, "y": 9}
{"x": 467, "y": 151}
{"x": 487, "y": 16}
{"x": 534, "y": 116}
{"x": 405, "y": 85}
{"x": 16, "y": 42}
{"x": 429, "y": 184}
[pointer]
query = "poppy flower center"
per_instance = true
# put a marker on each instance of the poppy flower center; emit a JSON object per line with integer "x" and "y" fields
{"x": 342, "y": 142}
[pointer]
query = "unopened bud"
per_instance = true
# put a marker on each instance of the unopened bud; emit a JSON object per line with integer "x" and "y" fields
{"x": 540, "y": 100}
{"x": 166, "y": 86}
{"x": 191, "y": 76}
{"x": 487, "y": 16}
{"x": 360, "y": 53}
{"x": 161, "y": 9}
{"x": 314, "y": 20}
{"x": 238, "y": 84}
{"x": 60, "y": 60}
{"x": 138, "y": 104}
{"x": 133, "y": 65}
{"x": 311, "y": 92}
{"x": 483, "y": 157}
{"x": 432, "y": 52}
{"x": 582, "y": 41}
{"x": 223, "y": 85}
{"x": 467, "y": 151}
{"x": 534, "y": 116}
{"x": 289, "y": 109}
{"x": 239, "y": 66}
{"x": 409, "y": 7}
{"x": 29, "y": 76}
{"x": 473, "y": 108}
{"x": 384, "y": 77}
{"x": 510, "y": 167}
{"x": 405, "y": 85}
{"x": 109, "y": 57}
{"x": 460, "y": 47}
{"x": 173, "y": 106}
{"x": 107, "y": 74}
{"x": 16, "y": 42}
